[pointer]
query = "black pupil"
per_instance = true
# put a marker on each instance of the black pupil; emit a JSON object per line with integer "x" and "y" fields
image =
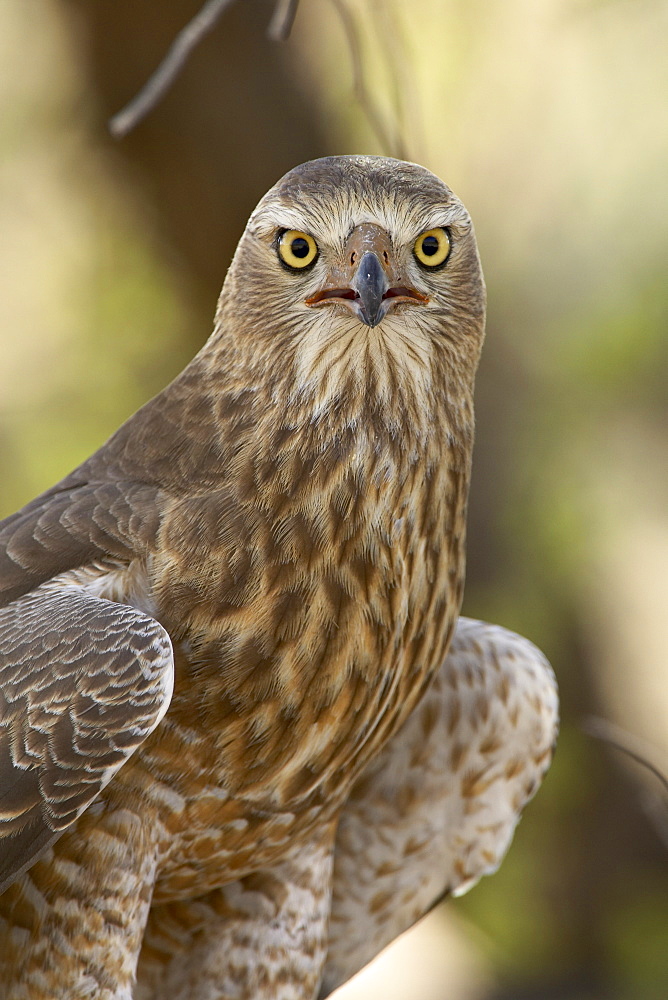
{"x": 299, "y": 247}
{"x": 429, "y": 246}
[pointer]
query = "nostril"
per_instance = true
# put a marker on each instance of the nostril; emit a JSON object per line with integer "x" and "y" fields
{"x": 386, "y": 257}
{"x": 353, "y": 257}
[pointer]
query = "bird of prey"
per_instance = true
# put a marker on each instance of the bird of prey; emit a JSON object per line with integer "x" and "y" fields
{"x": 236, "y": 756}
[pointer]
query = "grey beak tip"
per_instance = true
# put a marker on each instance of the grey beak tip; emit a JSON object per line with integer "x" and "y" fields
{"x": 370, "y": 284}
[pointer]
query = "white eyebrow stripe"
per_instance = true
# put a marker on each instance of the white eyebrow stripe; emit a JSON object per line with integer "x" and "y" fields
{"x": 332, "y": 225}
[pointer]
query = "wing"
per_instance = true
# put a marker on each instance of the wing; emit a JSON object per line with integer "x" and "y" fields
{"x": 83, "y": 681}
{"x": 438, "y": 808}
{"x": 72, "y": 525}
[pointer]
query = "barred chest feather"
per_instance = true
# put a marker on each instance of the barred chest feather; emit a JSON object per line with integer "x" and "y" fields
{"x": 302, "y": 646}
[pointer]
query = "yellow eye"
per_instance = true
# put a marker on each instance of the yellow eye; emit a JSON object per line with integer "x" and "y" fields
{"x": 432, "y": 248}
{"x": 297, "y": 249}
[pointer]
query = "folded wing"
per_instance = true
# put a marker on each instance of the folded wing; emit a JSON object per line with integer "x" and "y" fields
{"x": 83, "y": 682}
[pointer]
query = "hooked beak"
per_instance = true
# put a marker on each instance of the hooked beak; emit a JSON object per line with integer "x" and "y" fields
{"x": 369, "y": 282}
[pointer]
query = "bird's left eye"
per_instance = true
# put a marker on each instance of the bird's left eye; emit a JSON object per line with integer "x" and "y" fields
{"x": 432, "y": 248}
{"x": 297, "y": 250}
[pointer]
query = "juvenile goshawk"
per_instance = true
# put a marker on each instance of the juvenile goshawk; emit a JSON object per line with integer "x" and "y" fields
{"x": 236, "y": 757}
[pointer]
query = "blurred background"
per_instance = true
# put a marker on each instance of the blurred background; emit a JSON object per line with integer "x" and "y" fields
{"x": 549, "y": 118}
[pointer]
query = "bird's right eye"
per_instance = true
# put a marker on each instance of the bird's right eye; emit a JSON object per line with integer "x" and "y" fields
{"x": 296, "y": 249}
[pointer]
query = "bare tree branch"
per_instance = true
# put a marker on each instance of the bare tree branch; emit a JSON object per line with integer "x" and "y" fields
{"x": 391, "y": 144}
{"x": 169, "y": 68}
{"x": 279, "y": 30}
{"x": 282, "y": 20}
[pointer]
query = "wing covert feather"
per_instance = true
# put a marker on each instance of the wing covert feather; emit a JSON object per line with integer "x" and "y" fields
{"x": 83, "y": 682}
{"x": 72, "y": 525}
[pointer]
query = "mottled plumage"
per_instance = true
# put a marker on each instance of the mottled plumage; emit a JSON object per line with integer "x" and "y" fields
{"x": 212, "y": 627}
{"x": 431, "y": 814}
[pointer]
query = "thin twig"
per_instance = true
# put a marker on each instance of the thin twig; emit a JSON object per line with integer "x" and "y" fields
{"x": 394, "y": 57}
{"x": 359, "y": 83}
{"x": 282, "y": 20}
{"x": 639, "y": 751}
{"x": 169, "y": 68}
{"x": 618, "y": 738}
{"x": 400, "y": 68}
